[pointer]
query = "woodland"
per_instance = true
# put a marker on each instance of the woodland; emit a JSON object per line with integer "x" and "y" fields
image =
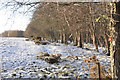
{"x": 97, "y": 23}
{"x": 75, "y": 22}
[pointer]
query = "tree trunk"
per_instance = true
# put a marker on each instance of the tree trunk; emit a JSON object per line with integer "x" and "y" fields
{"x": 100, "y": 43}
{"x": 76, "y": 41}
{"x": 115, "y": 43}
{"x": 80, "y": 40}
{"x": 95, "y": 42}
{"x": 107, "y": 44}
{"x": 92, "y": 18}
{"x": 64, "y": 38}
{"x": 103, "y": 42}
{"x": 94, "y": 37}
{"x": 87, "y": 37}
{"x": 61, "y": 37}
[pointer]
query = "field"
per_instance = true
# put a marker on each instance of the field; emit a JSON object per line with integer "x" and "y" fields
{"x": 19, "y": 60}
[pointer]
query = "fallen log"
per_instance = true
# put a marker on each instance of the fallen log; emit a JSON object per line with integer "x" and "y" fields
{"x": 41, "y": 42}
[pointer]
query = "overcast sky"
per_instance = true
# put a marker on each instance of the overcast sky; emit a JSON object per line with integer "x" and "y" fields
{"x": 14, "y": 21}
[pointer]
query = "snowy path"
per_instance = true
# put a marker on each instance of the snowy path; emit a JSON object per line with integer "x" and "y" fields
{"x": 19, "y": 57}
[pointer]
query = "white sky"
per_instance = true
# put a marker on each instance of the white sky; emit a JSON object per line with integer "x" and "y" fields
{"x": 10, "y": 21}
{"x": 14, "y": 21}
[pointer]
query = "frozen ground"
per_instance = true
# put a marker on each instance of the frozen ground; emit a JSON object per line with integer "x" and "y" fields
{"x": 18, "y": 59}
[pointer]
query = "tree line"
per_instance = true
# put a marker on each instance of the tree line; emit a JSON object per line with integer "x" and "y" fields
{"x": 76, "y": 22}
{"x": 13, "y": 33}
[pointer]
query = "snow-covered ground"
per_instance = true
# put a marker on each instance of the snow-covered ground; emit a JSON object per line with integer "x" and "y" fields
{"x": 18, "y": 59}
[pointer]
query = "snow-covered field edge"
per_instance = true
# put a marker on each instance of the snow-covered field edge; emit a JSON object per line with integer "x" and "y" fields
{"x": 19, "y": 60}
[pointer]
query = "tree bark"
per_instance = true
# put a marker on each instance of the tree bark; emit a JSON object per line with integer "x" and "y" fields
{"x": 92, "y": 31}
{"x": 87, "y": 37}
{"x": 115, "y": 43}
{"x": 80, "y": 40}
{"x": 107, "y": 44}
{"x": 100, "y": 43}
{"x": 76, "y": 39}
{"x": 94, "y": 37}
{"x": 61, "y": 37}
{"x": 64, "y": 38}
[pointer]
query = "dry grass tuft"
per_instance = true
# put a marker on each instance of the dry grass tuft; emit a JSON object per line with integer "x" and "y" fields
{"x": 50, "y": 58}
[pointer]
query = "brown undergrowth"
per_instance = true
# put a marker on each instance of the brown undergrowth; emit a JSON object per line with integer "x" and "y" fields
{"x": 96, "y": 70}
